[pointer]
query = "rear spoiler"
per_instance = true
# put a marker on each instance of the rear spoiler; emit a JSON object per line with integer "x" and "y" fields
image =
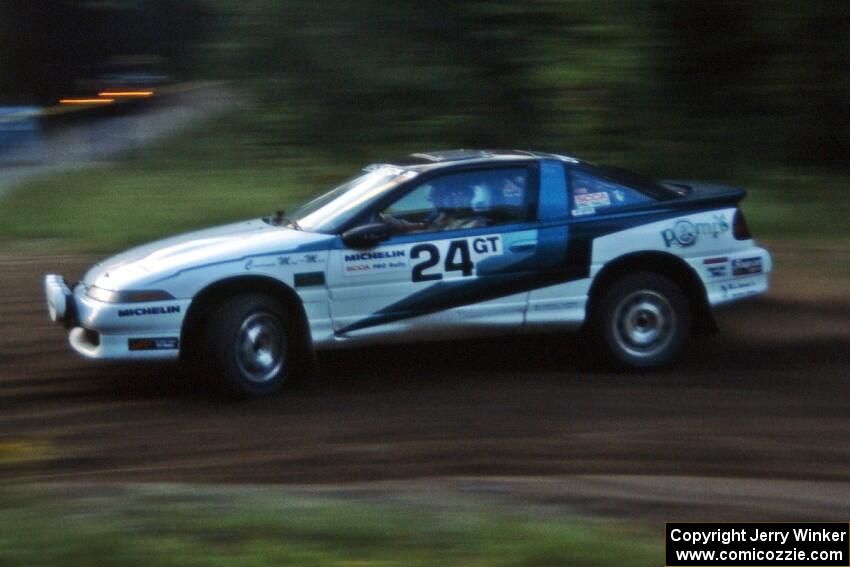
{"x": 697, "y": 191}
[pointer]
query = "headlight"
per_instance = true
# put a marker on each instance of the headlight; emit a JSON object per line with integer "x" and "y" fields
{"x": 128, "y": 296}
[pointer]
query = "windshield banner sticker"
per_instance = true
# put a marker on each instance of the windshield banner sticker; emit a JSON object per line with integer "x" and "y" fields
{"x": 598, "y": 199}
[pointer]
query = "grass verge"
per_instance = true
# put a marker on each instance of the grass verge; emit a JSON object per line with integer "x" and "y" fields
{"x": 168, "y": 525}
{"x": 221, "y": 172}
{"x": 214, "y": 173}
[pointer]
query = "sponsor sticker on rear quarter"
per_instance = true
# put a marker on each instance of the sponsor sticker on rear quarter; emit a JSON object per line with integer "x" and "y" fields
{"x": 746, "y": 266}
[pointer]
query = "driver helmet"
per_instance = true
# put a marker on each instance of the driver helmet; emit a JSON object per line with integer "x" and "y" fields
{"x": 452, "y": 198}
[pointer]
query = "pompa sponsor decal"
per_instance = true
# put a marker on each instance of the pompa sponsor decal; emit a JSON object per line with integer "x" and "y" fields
{"x": 685, "y": 233}
{"x": 138, "y": 311}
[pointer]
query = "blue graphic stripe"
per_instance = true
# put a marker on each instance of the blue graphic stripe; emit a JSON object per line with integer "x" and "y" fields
{"x": 563, "y": 254}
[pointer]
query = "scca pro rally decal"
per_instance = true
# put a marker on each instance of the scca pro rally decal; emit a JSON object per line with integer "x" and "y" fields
{"x": 149, "y": 311}
{"x": 685, "y": 233}
{"x": 372, "y": 261}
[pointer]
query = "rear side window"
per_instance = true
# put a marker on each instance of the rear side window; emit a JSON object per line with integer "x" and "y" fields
{"x": 592, "y": 194}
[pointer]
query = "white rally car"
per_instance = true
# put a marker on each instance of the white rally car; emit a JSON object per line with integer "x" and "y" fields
{"x": 439, "y": 245}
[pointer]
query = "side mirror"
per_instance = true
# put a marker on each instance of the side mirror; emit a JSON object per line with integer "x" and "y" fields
{"x": 367, "y": 235}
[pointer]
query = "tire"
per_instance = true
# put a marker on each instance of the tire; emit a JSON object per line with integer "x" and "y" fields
{"x": 643, "y": 321}
{"x": 248, "y": 343}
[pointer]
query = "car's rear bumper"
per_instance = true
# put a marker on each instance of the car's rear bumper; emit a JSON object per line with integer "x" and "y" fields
{"x": 115, "y": 331}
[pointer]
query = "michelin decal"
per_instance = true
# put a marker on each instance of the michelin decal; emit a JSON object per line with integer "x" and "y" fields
{"x": 135, "y": 312}
{"x": 371, "y": 261}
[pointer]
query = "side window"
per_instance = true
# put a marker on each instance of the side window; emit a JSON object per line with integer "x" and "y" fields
{"x": 470, "y": 199}
{"x": 592, "y": 194}
{"x": 416, "y": 205}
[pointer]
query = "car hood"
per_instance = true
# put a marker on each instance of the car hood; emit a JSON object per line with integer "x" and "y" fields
{"x": 156, "y": 260}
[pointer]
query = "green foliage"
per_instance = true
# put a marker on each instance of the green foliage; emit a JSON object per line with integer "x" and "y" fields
{"x": 222, "y": 172}
{"x": 664, "y": 85}
{"x": 212, "y": 174}
{"x": 179, "y": 526}
{"x": 798, "y": 206}
{"x": 668, "y": 85}
{"x": 749, "y": 93}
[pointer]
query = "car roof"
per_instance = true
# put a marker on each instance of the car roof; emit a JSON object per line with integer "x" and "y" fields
{"x": 422, "y": 161}
{"x": 444, "y": 159}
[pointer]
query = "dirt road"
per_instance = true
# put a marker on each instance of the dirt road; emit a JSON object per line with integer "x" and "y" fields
{"x": 767, "y": 398}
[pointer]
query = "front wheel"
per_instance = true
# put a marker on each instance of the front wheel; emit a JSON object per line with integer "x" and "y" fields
{"x": 643, "y": 321}
{"x": 247, "y": 341}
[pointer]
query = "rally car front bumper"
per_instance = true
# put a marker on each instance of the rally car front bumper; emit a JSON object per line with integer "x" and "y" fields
{"x": 101, "y": 330}
{"x": 60, "y": 300}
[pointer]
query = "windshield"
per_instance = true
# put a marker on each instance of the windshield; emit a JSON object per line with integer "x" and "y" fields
{"x": 332, "y": 210}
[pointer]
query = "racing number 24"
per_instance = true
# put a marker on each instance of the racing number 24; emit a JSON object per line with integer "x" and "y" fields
{"x": 453, "y": 263}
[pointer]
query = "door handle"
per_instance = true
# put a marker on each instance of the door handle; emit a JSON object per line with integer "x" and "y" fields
{"x": 523, "y": 247}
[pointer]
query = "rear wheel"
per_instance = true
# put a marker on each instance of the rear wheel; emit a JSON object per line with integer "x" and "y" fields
{"x": 643, "y": 321}
{"x": 247, "y": 346}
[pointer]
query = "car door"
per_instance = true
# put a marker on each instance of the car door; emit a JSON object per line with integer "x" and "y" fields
{"x": 467, "y": 276}
{"x": 580, "y": 204}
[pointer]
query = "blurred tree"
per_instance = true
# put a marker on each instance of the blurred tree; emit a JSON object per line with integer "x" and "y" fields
{"x": 805, "y": 85}
{"x": 754, "y": 78}
{"x": 46, "y": 46}
{"x": 35, "y": 56}
{"x": 420, "y": 72}
{"x": 682, "y": 85}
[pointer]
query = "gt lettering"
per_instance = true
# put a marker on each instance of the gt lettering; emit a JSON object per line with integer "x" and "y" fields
{"x": 486, "y": 244}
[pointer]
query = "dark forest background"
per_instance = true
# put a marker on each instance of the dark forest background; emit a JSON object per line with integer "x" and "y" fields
{"x": 713, "y": 82}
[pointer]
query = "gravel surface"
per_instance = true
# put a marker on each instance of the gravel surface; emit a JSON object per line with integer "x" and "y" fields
{"x": 762, "y": 403}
